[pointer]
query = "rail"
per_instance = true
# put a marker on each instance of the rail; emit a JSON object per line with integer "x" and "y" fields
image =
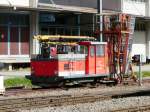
{"x": 52, "y": 101}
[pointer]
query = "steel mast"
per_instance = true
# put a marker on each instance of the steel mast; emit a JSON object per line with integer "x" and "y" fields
{"x": 100, "y": 11}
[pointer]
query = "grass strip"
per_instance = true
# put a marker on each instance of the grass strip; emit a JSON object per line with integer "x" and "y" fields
{"x": 22, "y": 81}
{"x": 144, "y": 73}
{"x": 17, "y": 81}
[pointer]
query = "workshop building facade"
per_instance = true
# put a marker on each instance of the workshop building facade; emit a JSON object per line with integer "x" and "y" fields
{"x": 20, "y": 20}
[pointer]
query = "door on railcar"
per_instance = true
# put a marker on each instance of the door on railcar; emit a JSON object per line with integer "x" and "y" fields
{"x": 101, "y": 59}
{"x": 97, "y": 59}
{"x": 90, "y": 60}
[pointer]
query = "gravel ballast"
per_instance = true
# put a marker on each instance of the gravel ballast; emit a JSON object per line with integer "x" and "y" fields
{"x": 102, "y": 106}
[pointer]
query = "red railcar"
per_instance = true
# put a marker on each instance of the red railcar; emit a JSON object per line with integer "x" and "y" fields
{"x": 60, "y": 61}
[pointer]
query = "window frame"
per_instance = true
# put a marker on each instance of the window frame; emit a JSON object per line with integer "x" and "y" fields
{"x": 101, "y": 49}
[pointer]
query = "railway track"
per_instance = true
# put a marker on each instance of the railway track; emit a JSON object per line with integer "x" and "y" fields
{"x": 15, "y": 92}
{"x": 12, "y": 105}
{"x": 134, "y": 109}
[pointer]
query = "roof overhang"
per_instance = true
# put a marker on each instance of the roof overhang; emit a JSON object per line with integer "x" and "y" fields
{"x": 55, "y": 8}
{"x": 62, "y": 8}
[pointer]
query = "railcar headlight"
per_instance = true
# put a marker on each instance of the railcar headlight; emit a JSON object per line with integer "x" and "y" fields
{"x": 56, "y": 72}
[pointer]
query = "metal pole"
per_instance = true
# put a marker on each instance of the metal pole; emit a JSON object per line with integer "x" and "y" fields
{"x": 79, "y": 28}
{"x": 100, "y": 11}
{"x": 93, "y": 23}
{"x": 140, "y": 71}
{"x": 78, "y": 23}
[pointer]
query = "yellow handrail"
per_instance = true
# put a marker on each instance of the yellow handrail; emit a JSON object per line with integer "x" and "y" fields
{"x": 48, "y": 37}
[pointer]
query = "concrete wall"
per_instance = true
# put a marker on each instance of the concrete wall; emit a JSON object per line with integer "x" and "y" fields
{"x": 114, "y": 5}
{"x": 21, "y": 3}
{"x": 132, "y": 7}
{"x": 34, "y": 30}
{"x": 148, "y": 40}
{"x": 139, "y": 43}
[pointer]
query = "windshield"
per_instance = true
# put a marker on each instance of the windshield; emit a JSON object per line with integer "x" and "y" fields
{"x": 51, "y": 51}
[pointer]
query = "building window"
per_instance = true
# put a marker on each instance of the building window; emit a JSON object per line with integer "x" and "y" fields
{"x": 15, "y": 31}
{"x": 140, "y": 26}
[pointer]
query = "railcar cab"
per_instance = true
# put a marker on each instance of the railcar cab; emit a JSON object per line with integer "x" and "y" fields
{"x": 59, "y": 61}
{"x": 96, "y": 59}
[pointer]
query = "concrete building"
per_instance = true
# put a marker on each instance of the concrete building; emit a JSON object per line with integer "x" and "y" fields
{"x": 21, "y": 19}
{"x": 140, "y": 8}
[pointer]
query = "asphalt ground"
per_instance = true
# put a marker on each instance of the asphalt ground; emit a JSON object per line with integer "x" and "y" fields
{"x": 143, "y": 68}
{"x": 15, "y": 73}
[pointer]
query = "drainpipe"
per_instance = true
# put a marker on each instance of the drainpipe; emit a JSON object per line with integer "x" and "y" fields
{"x": 100, "y": 11}
{"x": 147, "y": 8}
{"x": 140, "y": 70}
{"x": 33, "y": 3}
{"x": 122, "y": 3}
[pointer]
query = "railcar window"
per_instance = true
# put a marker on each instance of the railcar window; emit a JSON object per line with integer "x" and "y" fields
{"x": 100, "y": 50}
{"x": 45, "y": 53}
{"x": 83, "y": 50}
{"x": 92, "y": 51}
